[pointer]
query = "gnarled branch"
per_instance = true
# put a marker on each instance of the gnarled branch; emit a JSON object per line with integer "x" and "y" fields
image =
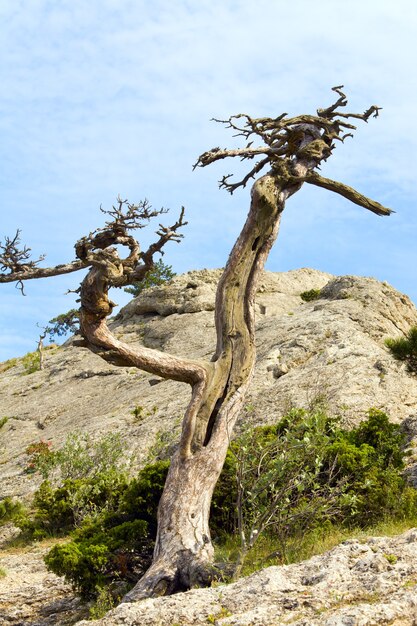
{"x": 284, "y": 139}
{"x": 347, "y": 192}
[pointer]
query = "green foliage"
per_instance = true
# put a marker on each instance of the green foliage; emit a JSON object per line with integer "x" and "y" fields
{"x": 31, "y": 362}
{"x": 41, "y": 458}
{"x": 306, "y": 472}
{"x": 3, "y": 572}
{"x": 118, "y": 544}
{"x": 78, "y": 457}
{"x": 370, "y": 460}
{"x": 63, "y": 324}
{"x": 86, "y": 479}
{"x": 58, "y": 510}
{"x": 81, "y": 457}
{"x": 140, "y": 413}
{"x": 85, "y": 562}
{"x": 7, "y": 365}
{"x": 405, "y": 349}
{"x": 310, "y": 295}
{"x": 9, "y": 510}
{"x": 283, "y": 483}
{"x": 103, "y": 603}
{"x": 144, "y": 492}
{"x": 159, "y": 274}
{"x": 3, "y": 421}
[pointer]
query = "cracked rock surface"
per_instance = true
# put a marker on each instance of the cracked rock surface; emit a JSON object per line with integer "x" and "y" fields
{"x": 355, "y": 584}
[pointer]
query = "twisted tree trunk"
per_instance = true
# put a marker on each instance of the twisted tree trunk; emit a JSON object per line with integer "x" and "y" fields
{"x": 293, "y": 148}
{"x": 184, "y": 552}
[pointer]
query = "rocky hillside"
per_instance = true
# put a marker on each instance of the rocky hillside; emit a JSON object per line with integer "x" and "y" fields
{"x": 330, "y": 347}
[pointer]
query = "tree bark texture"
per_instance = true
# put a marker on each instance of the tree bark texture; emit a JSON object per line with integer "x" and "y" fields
{"x": 184, "y": 553}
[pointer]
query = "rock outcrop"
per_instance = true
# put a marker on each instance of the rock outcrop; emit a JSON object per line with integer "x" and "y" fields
{"x": 356, "y": 584}
{"x": 331, "y": 347}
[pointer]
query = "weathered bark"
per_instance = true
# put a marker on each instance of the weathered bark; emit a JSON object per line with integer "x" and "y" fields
{"x": 183, "y": 552}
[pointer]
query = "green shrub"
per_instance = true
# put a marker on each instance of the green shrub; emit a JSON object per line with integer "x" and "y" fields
{"x": 41, "y": 458}
{"x": 3, "y": 421}
{"x": 31, "y": 362}
{"x": 78, "y": 457}
{"x": 9, "y": 510}
{"x": 370, "y": 458}
{"x": 82, "y": 564}
{"x": 81, "y": 457}
{"x": 7, "y": 365}
{"x": 83, "y": 479}
{"x": 405, "y": 349}
{"x": 159, "y": 274}
{"x": 58, "y": 510}
{"x": 144, "y": 492}
{"x": 103, "y": 603}
{"x": 306, "y": 473}
{"x": 118, "y": 544}
{"x": 310, "y": 295}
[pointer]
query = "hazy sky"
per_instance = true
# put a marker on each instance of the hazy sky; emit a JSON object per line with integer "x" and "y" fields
{"x": 111, "y": 97}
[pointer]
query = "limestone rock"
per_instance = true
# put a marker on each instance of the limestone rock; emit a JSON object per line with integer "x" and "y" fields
{"x": 355, "y": 584}
{"x": 29, "y": 594}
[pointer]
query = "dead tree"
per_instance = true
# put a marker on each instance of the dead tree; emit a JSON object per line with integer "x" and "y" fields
{"x": 291, "y": 151}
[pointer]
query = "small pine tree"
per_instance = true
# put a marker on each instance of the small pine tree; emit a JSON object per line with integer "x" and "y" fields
{"x": 405, "y": 349}
{"x": 159, "y": 274}
{"x": 63, "y": 324}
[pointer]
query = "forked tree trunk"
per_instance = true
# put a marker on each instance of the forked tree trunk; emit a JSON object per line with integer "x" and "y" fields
{"x": 184, "y": 553}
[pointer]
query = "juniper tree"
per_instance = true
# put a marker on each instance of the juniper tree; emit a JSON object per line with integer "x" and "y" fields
{"x": 289, "y": 153}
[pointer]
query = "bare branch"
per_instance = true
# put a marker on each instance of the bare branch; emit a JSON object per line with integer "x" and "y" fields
{"x": 41, "y": 272}
{"x": 130, "y": 216}
{"x": 165, "y": 234}
{"x": 223, "y": 183}
{"x": 347, "y": 192}
{"x": 291, "y": 140}
{"x": 14, "y": 257}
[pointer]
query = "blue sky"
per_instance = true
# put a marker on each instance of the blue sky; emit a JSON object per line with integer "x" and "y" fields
{"x": 111, "y": 97}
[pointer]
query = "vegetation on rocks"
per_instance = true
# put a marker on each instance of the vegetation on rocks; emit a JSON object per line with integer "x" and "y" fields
{"x": 159, "y": 274}
{"x": 405, "y": 349}
{"x": 310, "y": 295}
{"x": 305, "y": 475}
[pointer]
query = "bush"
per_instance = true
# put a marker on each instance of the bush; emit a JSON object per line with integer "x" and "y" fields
{"x": 9, "y": 510}
{"x": 118, "y": 544}
{"x": 405, "y": 349}
{"x": 41, "y": 458}
{"x": 83, "y": 479}
{"x": 58, "y": 510}
{"x": 100, "y": 554}
{"x": 306, "y": 472}
{"x": 159, "y": 274}
{"x": 370, "y": 458}
{"x": 31, "y": 363}
{"x": 310, "y": 295}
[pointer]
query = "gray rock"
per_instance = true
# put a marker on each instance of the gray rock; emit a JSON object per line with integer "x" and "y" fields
{"x": 358, "y": 584}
